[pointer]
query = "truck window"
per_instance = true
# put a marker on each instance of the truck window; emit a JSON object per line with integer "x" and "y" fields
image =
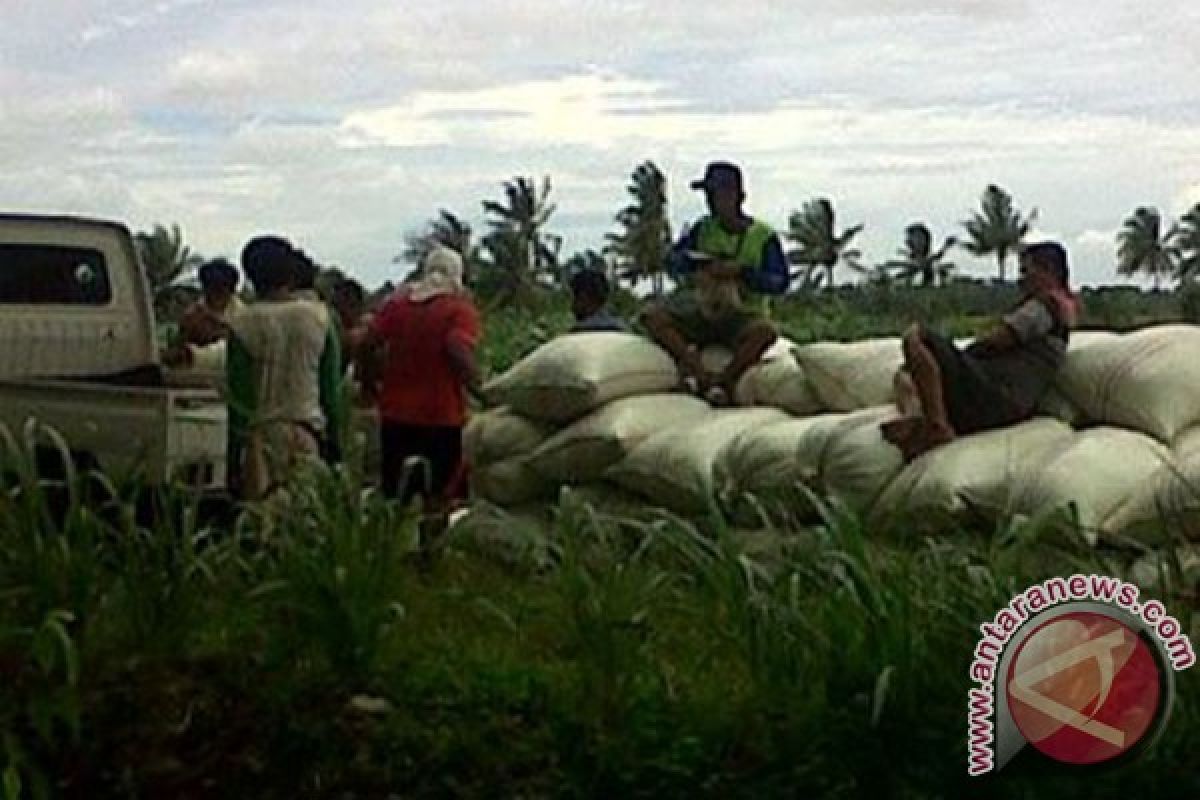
{"x": 33, "y": 274}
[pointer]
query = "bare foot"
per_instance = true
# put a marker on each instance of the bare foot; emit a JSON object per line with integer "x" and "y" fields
{"x": 932, "y": 435}
{"x": 900, "y": 430}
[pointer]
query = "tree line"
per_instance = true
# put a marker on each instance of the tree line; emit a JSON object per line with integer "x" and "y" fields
{"x": 517, "y": 257}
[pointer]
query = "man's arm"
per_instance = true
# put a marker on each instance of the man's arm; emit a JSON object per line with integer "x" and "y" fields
{"x": 1029, "y": 321}
{"x": 461, "y": 341}
{"x": 241, "y": 394}
{"x": 773, "y": 276}
{"x": 679, "y": 263}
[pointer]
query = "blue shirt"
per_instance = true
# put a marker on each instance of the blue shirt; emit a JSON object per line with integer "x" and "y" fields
{"x": 772, "y": 277}
{"x": 601, "y": 321}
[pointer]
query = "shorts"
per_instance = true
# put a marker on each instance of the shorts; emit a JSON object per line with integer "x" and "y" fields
{"x": 975, "y": 401}
{"x": 683, "y": 308}
{"x": 438, "y": 450}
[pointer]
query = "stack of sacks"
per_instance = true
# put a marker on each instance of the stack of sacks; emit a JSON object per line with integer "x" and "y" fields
{"x": 1165, "y": 505}
{"x": 676, "y": 468}
{"x": 579, "y": 378}
{"x": 497, "y": 445}
{"x": 848, "y": 376}
{"x": 972, "y": 475}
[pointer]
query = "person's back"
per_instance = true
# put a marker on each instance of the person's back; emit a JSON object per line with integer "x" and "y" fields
{"x": 281, "y": 372}
{"x": 285, "y": 340}
{"x": 430, "y": 331}
{"x": 420, "y": 385}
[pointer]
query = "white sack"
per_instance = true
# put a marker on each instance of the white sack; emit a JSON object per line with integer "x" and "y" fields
{"x": 500, "y": 434}
{"x": 569, "y": 376}
{"x": 856, "y": 463}
{"x": 1096, "y": 470}
{"x": 854, "y": 375}
{"x": 1146, "y": 381}
{"x": 975, "y": 472}
{"x": 675, "y": 468}
{"x": 584, "y": 450}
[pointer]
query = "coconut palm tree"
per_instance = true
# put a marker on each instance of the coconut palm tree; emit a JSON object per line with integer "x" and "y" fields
{"x": 1143, "y": 247}
{"x": 818, "y": 242}
{"x": 1188, "y": 243}
{"x": 518, "y": 230}
{"x": 997, "y": 228}
{"x": 446, "y": 229}
{"x": 918, "y": 261}
{"x": 644, "y": 240}
{"x": 165, "y": 259}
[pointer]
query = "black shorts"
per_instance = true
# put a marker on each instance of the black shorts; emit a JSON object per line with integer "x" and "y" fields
{"x": 438, "y": 454}
{"x": 974, "y": 400}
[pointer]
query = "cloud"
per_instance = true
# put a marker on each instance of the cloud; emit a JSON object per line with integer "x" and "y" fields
{"x": 346, "y": 122}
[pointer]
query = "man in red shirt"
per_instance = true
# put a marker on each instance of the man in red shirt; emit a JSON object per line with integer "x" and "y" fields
{"x": 430, "y": 331}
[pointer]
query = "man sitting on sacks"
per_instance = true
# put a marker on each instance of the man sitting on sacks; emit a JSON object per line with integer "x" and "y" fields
{"x": 999, "y": 379}
{"x": 723, "y": 256}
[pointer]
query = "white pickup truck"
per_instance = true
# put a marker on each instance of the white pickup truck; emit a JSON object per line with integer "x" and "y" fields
{"x": 78, "y": 354}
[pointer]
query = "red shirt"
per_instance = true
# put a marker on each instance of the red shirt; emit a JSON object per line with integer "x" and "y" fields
{"x": 419, "y": 384}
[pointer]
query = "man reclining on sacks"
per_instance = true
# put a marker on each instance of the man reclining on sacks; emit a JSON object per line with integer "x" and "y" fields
{"x": 726, "y": 254}
{"x": 999, "y": 379}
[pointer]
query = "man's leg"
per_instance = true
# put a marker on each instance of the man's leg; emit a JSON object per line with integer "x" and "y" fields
{"x": 663, "y": 329}
{"x": 751, "y": 342}
{"x": 927, "y": 378}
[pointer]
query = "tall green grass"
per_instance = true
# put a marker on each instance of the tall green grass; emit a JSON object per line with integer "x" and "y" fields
{"x": 303, "y": 651}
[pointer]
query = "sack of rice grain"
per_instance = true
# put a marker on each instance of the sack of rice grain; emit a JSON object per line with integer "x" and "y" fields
{"x": 857, "y": 463}
{"x": 848, "y": 376}
{"x": 675, "y": 468}
{"x": 765, "y": 466}
{"x": 975, "y": 473}
{"x": 1094, "y": 471}
{"x": 778, "y": 382}
{"x": 510, "y": 483}
{"x": 1145, "y": 381}
{"x": 1163, "y": 507}
{"x": 584, "y": 450}
{"x": 499, "y": 434}
{"x": 569, "y": 376}
{"x": 496, "y": 446}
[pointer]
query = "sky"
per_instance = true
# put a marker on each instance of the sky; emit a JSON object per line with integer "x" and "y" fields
{"x": 345, "y": 124}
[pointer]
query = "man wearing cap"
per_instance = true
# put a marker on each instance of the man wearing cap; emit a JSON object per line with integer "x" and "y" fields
{"x": 723, "y": 257}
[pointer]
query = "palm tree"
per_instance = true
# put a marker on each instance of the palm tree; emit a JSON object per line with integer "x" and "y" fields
{"x": 918, "y": 260}
{"x": 1142, "y": 247}
{"x": 818, "y": 243}
{"x": 165, "y": 259}
{"x": 644, "y": 240}
{"x": 446, "y": 229}
{"x": 518, "y": 235}
{"x": 1188, "y": 243}
{"x": 998, "y": 228}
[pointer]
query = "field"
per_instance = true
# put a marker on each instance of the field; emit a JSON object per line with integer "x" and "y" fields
{"x": 316, "y": 653}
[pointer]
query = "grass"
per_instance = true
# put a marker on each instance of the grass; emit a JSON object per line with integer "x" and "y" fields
{"x": 308, "y": 653}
